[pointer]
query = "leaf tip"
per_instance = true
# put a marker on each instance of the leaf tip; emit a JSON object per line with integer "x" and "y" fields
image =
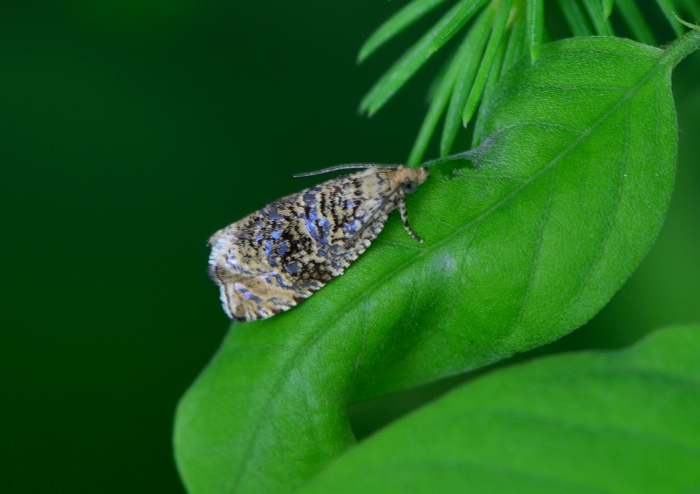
{"x": 607, "y": 8}
{"x": 361, "y": 56}
{"x": 364, "y": 108}
{"x": 687, "y": 24}
{"x": 364, "y": 112}
{"x": 469, "y": 110}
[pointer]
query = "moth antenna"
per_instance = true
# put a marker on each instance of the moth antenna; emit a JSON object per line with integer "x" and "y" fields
{"x": 358, "y": 166}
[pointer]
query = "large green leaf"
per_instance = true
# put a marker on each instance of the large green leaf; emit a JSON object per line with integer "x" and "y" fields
{"x": 572, "y": 184}
{"x": 618, "y": 422}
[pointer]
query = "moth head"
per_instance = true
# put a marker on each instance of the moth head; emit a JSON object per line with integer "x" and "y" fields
{"x": 408, "y": 179}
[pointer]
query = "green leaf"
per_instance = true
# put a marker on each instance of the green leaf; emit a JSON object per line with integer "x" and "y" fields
{"x": 600, "y": 22}
{"x": 465, "y": 72}
{"x": 635, "y": 21}
{"x": 694, "y": 27}
{"x": 607, "y": 7}
{"x": 668, "y": 10}
{"x": 617, "y": 422}
{"x": 397, "y": 23}
{"x": 571, "y": 188}
{"x": 516, "y": 44}
{"x": 418, "y": 54}
{"x": 477, "y": 90}
{"x": 491, "y": 83}
{"x": 693, "y": 7}
{"x": 437, "y": 80}
{"x": 576, "y": 17}
{"x": 516, "y": 48}
{"x": 438, "y": 102}
{"x": 534, "y": 11}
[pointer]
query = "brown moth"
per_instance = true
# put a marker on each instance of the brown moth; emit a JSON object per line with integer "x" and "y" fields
{"x": 273, "y": 259}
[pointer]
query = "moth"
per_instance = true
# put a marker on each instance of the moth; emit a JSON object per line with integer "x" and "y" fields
{"x": 271, "y": 260}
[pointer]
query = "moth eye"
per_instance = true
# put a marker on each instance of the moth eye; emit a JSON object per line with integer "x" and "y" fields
{"x": 410, "y": 187}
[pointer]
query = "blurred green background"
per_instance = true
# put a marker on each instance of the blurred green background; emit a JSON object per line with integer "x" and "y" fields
{"x": 132, "y": 130}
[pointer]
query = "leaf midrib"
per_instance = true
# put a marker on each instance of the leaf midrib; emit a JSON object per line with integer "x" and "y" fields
{"x": 583, "y": 134}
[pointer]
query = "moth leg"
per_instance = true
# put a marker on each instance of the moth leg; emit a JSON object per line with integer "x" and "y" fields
{"x": 404, "y": 218}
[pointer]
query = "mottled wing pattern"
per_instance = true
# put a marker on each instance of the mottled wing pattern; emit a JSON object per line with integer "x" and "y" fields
{"x": 278, "y": 256}
{"x": 272, "y": 259}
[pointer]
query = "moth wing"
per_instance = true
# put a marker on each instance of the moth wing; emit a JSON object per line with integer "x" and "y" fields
{"x": 272, "y": 259}
{"x": 372, "y": 224}
{"x": 249, "y": 298}
{"x": 247, "y": 262}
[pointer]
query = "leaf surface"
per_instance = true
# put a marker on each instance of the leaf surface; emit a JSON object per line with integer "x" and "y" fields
{"x": 617, "y": 422}
{"x": 572, "y": 182}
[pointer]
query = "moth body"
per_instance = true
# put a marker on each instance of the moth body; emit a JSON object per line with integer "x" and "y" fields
{"x": 276, "y": 257}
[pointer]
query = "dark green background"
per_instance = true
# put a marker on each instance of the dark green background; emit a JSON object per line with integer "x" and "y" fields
{"x": 132, "y": 130}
